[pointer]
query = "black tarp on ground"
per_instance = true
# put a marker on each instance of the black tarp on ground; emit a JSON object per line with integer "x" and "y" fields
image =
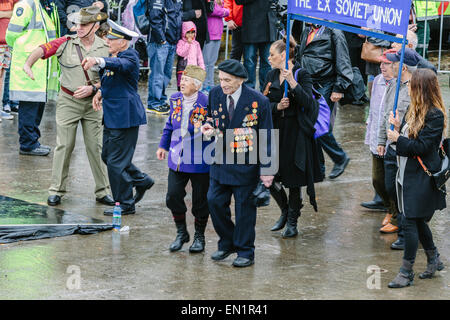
{"x": 21, "y": 220}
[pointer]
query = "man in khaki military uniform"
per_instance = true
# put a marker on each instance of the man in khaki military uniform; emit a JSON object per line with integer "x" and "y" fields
{"x": 75, "y": 102}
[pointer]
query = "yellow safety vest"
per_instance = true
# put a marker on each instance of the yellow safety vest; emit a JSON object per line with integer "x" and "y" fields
{"x": 422, "y": 11}
{"x": 29, "y": 27}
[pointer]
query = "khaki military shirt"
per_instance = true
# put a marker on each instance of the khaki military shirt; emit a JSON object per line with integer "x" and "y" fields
{"x": 72, "y": 75}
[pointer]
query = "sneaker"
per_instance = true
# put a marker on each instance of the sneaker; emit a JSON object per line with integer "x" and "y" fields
{"x": 7, "y": 108}
{"x": 159, "y": 109}
{"x": 6, "y": 115}
{"x": 39, "y": 151}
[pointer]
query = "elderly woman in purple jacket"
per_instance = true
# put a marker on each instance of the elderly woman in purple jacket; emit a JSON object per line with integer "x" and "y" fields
{"x": 183, "y": 140}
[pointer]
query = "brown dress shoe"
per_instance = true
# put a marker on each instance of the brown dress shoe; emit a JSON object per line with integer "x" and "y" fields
{"x": 387, "y": 219}
{"x": 389, "y": 228}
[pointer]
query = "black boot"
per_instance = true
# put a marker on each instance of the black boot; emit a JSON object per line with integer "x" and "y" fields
{"x": 198, "y": 245}
{"x": 434, "y": 264}
{"x": 405, "y": 277}
{"x": 281, "y": 221}
{"x": 291, "y": 226}
{"x": 182, "y": 236}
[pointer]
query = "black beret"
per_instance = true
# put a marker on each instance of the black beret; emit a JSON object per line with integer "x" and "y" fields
{"x": 233, "y": 67}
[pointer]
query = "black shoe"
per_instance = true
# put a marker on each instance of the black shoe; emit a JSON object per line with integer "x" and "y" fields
{"x": 220, "y": 255}
{"x": 374, "y": 205}
{"x": 338, "y": 169}
{"x": 54, "y": 200}
{"x": 241, "y": 262}
{"x": 39, "y": 151}
{"x": 140, "y": 191}
{"x": 14, "y": 109}
{"x": 291, "y": 226}
{"x": 198, "y": 245}
{"x": 399, "y": 244}
{"x": 108, "y": 200}
{"x": 109, "y": 212}
{"x": 182, "y": 237}
{"x": 281, "y": 221}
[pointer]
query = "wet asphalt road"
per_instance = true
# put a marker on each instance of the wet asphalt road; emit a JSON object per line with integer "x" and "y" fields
{"x": 328, "y": 260}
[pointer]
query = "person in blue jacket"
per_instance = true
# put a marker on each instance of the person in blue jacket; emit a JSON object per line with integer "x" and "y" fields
{"x": 123, "y": 113}
{"x": 241, "y": 120}
{"x": 183, "y": 140}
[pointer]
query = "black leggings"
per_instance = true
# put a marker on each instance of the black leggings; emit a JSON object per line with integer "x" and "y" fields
{"x": 295, "y": 197}
{"x": 416, "y": 230}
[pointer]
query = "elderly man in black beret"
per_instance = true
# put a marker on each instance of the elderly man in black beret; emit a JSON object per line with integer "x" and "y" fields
{"x": 241, "y": 121}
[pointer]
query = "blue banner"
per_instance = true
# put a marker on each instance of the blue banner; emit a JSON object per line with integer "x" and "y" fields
{"x": 385, "y": 15}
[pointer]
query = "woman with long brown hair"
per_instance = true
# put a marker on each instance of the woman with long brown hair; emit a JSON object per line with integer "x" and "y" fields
{"x": 419, "y": 137}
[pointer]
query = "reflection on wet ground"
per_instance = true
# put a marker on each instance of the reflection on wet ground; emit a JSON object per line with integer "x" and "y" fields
{"x": 329, "y": 259}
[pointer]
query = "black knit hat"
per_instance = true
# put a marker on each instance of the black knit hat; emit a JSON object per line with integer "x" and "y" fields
{"x": 234, "y": 68}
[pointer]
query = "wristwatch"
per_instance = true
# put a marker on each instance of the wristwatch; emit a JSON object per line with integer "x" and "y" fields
{"x": 94, "y": 89}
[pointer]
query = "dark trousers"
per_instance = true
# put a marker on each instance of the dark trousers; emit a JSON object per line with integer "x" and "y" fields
{"x": 416, "y": 230}
{"x": 237, "y": 48}
{"x": 328, "y": 142}
{"x": 279, "y": 194}
{"x": 239, "y": 236}
{"x": 117, "y": 153}
{"x": 390, "y": 174}
{"x": 378, "y": 182}
{"x": 6, "y": 90}
{"x": 30, "y": 116}
{"x": 176, "y": 191}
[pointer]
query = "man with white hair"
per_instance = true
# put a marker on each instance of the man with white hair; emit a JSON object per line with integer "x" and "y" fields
{"x": 183, "y": 141}
{"x": 74, "y": 104}
{"x": 123, "y": 113}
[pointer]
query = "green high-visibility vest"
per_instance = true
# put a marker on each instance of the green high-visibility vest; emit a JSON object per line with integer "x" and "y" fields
{"x": 29, "y": 27}
{"x": 431, "y": 12}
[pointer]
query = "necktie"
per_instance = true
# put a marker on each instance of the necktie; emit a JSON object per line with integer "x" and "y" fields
{"x": 231, "y": 107}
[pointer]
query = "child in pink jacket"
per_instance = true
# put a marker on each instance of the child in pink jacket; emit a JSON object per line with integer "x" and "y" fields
{"x": 188, "y": 50}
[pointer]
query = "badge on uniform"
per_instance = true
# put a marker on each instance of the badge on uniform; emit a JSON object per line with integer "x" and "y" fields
{"x": 19, "y": 11}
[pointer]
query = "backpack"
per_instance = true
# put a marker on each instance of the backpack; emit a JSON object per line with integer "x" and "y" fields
{"x": 322, "y": 124}
{"x": 140, "y": 16}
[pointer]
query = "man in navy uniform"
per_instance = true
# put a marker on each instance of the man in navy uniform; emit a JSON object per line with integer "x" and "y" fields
{"x": 123, "y": 113}
{"x": 238, "y": 114}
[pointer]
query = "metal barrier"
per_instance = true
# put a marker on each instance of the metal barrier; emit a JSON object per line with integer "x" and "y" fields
{"x": 441, "y": 31}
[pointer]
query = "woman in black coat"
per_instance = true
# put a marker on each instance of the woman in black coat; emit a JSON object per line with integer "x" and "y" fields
{"x": 419, "y": 136}
{"x": 294, "y": 116}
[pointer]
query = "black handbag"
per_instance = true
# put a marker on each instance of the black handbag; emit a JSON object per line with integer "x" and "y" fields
{"x": 260, "y": 196}
{"x": 440, "y": 177}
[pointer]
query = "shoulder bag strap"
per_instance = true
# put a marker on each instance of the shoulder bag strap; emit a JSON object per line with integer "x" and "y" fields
{"x": 80, "y": 55}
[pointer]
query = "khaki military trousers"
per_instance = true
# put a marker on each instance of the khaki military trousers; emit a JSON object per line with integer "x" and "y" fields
{"x": 70, "y": 112}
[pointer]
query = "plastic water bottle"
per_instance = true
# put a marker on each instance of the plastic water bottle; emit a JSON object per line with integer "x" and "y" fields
{"x": 117, "y": 217}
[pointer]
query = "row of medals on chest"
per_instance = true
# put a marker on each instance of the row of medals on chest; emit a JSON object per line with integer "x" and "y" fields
{"x": 243, "y": 137}
{"x": 198, "y": 115}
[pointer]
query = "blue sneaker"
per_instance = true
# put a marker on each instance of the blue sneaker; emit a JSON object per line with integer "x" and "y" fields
{"x": 162, "y": 110}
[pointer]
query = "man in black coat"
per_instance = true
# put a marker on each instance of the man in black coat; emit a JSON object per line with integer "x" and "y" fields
{"x": 196, "y": 11}
{"x": 258, "y": 32}
{"x": 324, "y": 53}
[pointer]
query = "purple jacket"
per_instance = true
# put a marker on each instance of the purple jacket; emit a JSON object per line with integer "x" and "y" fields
{"x": 186, "y": 153}
{"x": 215, "y": 22}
